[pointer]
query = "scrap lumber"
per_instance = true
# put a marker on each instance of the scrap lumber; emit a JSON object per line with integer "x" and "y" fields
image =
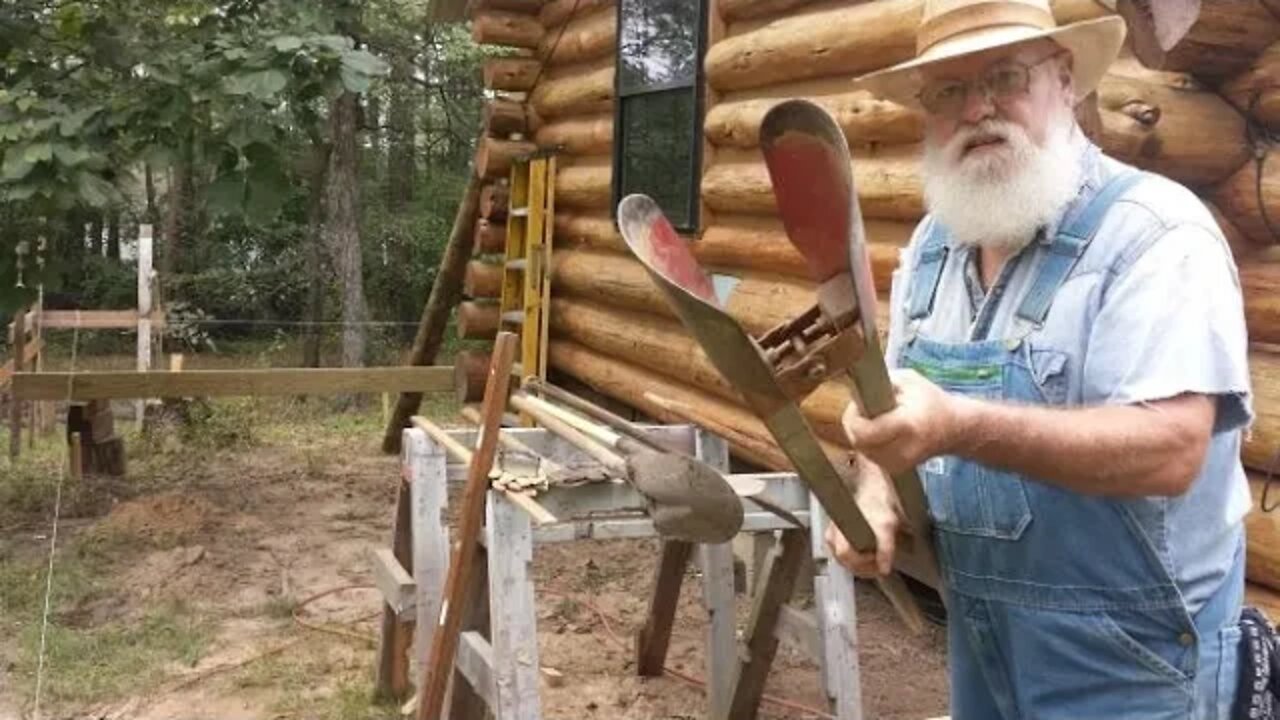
{"x": 445, "y": 292}
{"x": 293, "y": 381}
{"x": 458, "y": 585}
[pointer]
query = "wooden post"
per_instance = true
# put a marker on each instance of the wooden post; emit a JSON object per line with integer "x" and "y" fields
{"x": 653, "y": 639}
{"x": 717, "y": 594}
{"x": 75, "y": 455}
{"x": 467, "y": 702}
{"x": 835, "y": 608}
{"x": 15, "y": 405}
{"x": 512, "y": 616}
{"x": 144, "y": 311}
{"x": 777, "y": 581}
{"x": 435, "y": 316}
{"x": 393, "y": 642}
{"x": 444, "y": 643}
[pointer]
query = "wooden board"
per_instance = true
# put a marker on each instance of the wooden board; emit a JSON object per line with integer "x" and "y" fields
{"x": 209, "y": 383}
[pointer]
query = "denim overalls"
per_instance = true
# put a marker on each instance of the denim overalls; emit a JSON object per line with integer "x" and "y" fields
{"x": 1059, "y": 604}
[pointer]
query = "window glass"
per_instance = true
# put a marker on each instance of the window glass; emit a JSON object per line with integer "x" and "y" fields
{"x": 658, "y": 43}
{"x": 658, "y": 151}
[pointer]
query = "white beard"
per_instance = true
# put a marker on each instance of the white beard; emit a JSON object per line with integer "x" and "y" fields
{"x": 999, "y": 197}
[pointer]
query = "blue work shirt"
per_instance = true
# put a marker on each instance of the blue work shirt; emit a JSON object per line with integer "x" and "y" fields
{"x": 1152, "y": 310}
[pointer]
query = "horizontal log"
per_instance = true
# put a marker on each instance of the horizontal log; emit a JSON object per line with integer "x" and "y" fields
{"x": 587, "y": 36}
{"x": 761, "y": 244}
{"x": 478, "y": 320}
{"x": 490, "y": 237}
{"x": 575, "y": 90}
{"x": 482, "y": 280}
{"x": 88, "y": 320}
{"x": 1171, "y": 124}
{"x": 590, "y": 135}
{"x": 503, "y": 118}
{"x": 510, "y": 74}
{"x": 496, "y": 27}
{"x": 832, "y": 39}
{"x": 494, "y": 156}
{"x": 1224, "y": 40}
{"x": 527, "y": 7}
{"x": 1262, "y": 531}
{"x": 1256, "y": 90}
{"x": 664, "y": 346}
{"x": 1260, "y": 282}
{"x": 555, "y": 12}
{"x": 1262, "y": 597}
{"x": 1237, "y": 198}
{"x": 888, "y": 182}
{"x": 865, "y": 119}
{"x": 470, "y": 373}
{"x": 585, "y": 183}
{"x": 494, "y": 198}
{"x": 732, "y": 10}
{"x": 1264, "y": 440}
{"x": 79, "y": 386}
{"x": 1242, "y": 246}
{"x": 1157, "y": 26}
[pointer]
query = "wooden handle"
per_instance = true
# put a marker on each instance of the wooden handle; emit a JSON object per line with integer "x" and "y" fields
{"x": 612, "y": 461}
{"x": 586, "y": 426}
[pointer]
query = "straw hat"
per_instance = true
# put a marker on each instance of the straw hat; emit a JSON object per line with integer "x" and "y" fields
{"x": 951, "y": 29}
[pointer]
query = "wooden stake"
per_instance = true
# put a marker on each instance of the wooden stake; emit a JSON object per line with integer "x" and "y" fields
{"x": 15, "y": 405}
{"x": 458, "y": 584}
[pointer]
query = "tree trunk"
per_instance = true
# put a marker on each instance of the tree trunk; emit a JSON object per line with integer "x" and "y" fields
{"x": 178, "y": 213}
{"x": 113, "y": 235}
{"x": 402, "y": 148}
{"x": 95, "y": 233}
{"x": 318, "y": 279}
{"x": 152, "y": 214}
{"x": 342, "y": 229}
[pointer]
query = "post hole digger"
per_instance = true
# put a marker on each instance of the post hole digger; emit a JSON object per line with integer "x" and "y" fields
{"x": 810, "y": 168}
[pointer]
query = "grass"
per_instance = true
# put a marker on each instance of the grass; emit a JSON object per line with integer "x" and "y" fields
{"x": 292, "y": 675}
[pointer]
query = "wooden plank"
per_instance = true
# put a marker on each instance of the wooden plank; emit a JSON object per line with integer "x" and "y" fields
{"x": 653, "y": 639}
{"x": 395, "y": 583}
{"x": 209, "y": 383}
{"x": 392, "y": 680}
{"x": 457, "y": 587}
{"x": 632, "y": 528}
{"x": 778, "y": 580}
{"x": 837, "y": 627}
{"x": 513, "y": 619}
{"x": 475, "y": 663}
{"x": 717, "y": 594}
{"x": 426, "y": 467}
{"x": 96, "y": 319}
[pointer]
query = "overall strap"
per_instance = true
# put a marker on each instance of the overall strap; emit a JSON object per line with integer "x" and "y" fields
{"x": 927, "y": 271}
{"x": 1069, "y": 244}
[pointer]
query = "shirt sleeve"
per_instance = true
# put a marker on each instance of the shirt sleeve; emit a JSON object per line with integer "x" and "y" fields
{"x": 1172, "y": 322}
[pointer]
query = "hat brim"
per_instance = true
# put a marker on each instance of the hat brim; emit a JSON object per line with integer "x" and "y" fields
{"x": 1094, "y": 45}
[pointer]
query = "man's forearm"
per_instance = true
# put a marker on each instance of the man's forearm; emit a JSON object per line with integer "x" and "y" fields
{"x": 1116, "y": 450}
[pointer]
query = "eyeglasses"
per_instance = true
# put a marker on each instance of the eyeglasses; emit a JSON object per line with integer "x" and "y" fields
{"x": 1001, "y": 81}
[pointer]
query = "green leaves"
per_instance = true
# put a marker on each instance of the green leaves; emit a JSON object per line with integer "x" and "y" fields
{"x": 359, "y": 68}
{"x": 262, "y": 84}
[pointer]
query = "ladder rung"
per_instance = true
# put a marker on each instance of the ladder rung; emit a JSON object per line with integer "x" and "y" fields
{"x": 517, "y": 264}
{"x": 519, "y": 212}
{"x": 514, "y": 317}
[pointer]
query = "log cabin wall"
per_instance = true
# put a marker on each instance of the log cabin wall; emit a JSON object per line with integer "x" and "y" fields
{"x": 1199, "y": 113}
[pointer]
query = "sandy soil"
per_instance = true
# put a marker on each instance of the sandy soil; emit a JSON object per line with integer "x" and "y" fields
{"x": 247, "y": 536}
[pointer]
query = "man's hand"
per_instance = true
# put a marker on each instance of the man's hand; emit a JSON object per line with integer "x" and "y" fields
{"x": 925, "y": 423}
{"x": 878, "y": 502}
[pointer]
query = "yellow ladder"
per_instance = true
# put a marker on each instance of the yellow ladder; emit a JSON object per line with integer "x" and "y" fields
{"x": 526, "y": 279}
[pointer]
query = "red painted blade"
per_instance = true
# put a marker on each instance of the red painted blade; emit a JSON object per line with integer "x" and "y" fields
{"x": 812, "y": 175}
{"x": 652, "y": 238}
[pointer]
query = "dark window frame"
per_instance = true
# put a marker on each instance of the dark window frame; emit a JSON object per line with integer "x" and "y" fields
{"x": 697, "y": 85}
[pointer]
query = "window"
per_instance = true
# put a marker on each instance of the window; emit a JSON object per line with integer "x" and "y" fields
{"x": 658, "y": 116}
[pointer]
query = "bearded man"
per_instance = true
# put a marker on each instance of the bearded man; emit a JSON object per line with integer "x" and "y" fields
{"x": 1069, "y": 347}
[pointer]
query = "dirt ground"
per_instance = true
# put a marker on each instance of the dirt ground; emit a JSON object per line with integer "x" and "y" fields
{"x": 176, "y": 596}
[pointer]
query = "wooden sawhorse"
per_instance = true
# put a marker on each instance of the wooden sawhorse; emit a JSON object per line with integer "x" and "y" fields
{"x": 496, "y": 666}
